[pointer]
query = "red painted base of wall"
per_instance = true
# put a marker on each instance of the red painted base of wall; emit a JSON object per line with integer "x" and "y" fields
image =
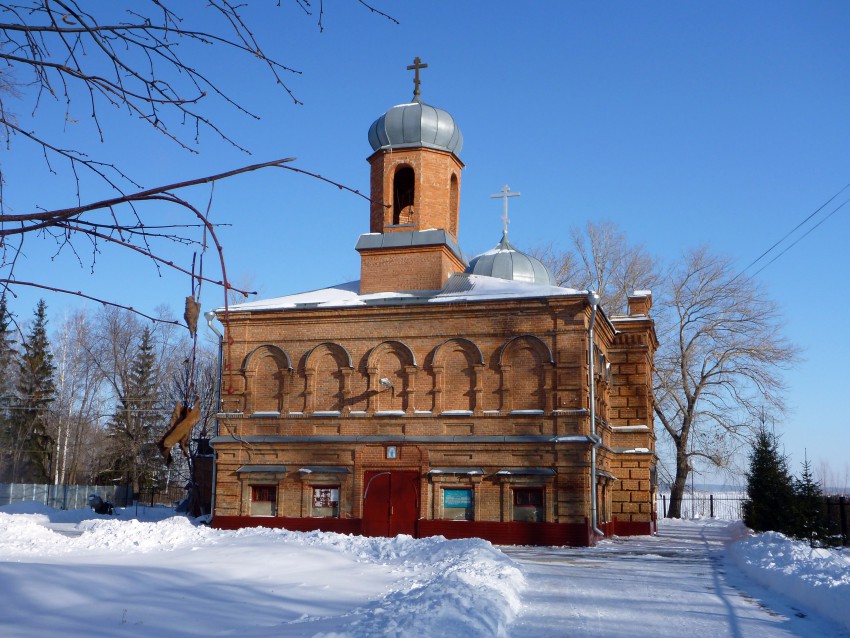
{"x": 572, "y": 534}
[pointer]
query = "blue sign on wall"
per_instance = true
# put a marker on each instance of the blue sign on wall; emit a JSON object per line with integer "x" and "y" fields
{"x": 457, "y": 498}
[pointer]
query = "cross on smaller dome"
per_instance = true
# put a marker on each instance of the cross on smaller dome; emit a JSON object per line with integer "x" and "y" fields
{"x": 417, "y": 64}
{"x": 503, "y": 195}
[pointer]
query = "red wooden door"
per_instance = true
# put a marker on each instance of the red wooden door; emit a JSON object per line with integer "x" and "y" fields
{"x": 390, "y": 502}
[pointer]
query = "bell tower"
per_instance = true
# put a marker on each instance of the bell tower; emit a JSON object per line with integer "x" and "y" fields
{"x": 415, "y": 193}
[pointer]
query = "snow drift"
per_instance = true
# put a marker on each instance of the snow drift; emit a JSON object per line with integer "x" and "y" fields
{"x": 399, "y": 587}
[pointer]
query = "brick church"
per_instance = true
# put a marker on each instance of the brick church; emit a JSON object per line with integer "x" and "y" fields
{"x": 436, "y": 395}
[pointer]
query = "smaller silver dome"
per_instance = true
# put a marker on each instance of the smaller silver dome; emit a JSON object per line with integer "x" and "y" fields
{"x": 415, "y": 125}
{"x": 506, "y": 262}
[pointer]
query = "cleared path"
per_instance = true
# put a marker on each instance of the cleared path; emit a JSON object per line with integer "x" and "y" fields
{"x": 675, "y": 584}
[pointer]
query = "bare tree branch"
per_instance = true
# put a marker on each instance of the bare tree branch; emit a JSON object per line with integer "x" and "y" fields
{"x": 721, "y": 357}
{"x": 47, "y": 218}
{"x": 600, "y": 258}
{"x": 146, "y": 58}
{"x": 82, "y": 295}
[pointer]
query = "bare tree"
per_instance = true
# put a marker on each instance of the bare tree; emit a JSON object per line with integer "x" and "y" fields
{"x": 833, "y": 481}
{"x": 80, "y": 403}
{"x": 601, "y": 258}
{"x": 719, "y": 362}
{"x": 150, "y": 61}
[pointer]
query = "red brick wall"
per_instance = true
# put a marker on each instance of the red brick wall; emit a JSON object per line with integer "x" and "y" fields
{"x": 411, "y": 268}
{"x": 477, "y": 357}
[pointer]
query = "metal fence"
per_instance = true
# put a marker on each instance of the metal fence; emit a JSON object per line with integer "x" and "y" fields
{"x": 726, "y": 506}
{"x": 168, "y": 497}
{"x": 65, "y": 497}
{"x": 68, "y": 497}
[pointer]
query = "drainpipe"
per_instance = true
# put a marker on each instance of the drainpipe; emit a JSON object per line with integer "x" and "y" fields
{"x": 210, "y": 316}
{"x": 593, "y": 300}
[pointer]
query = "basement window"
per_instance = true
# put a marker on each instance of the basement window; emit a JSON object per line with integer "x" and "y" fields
{"x": 326, "y": 501}
{"x": 458, "y": 505}
{"x": 263, "y": 500}
{"x": 528, "y": 504}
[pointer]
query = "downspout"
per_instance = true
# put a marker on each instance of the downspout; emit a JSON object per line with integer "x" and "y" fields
{"x": 593, "y": 300}
{"x": 210, "y": 316}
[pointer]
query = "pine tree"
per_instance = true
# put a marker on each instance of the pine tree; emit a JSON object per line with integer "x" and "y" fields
{"x": 770, "y": 504}
{"x": 811, "y": 524}
{"x": 36, "y": 390}
{"x": 135, "y": 426}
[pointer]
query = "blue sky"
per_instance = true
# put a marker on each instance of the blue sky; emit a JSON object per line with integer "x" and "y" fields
{"x": 684, "y": 123}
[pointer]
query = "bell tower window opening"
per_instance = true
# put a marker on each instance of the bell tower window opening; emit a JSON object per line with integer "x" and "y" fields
{"x": 404, "y": 187}
{"x": 454, "y": 196}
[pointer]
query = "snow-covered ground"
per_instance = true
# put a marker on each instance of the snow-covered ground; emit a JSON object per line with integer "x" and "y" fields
{"x": 685, "y": 581}
{"x": 146, "y": 573}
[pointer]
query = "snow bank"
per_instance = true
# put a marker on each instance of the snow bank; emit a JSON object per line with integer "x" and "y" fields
{"x": 459, "y": 587}
{"x": 818, "y": 579}
{"x": 472, "y": 589}
{"x": 463, "y": 588}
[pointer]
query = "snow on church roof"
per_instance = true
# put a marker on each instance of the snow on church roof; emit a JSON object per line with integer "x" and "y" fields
{"x": 460, "y": 288}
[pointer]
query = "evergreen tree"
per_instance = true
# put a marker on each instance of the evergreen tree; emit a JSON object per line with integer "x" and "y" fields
{"x": 811, "y": 524}
{"x": 8, "y": 395}
{"x": 36, "y": 390}
{"x": 770, "y": 504}
{"x": 135, "y": 426}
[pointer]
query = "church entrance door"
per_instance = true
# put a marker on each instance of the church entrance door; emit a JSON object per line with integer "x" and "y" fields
{"x": 390, "y": 502}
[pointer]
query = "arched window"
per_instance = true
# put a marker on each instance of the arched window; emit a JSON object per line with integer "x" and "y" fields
{"x": 404, "y": 186}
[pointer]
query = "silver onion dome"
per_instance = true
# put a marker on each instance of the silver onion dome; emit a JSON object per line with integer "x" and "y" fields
{"x": 505, "y": 261}
{"x": 415, "y": 125}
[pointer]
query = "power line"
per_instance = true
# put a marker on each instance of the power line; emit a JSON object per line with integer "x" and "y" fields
{"x": 791, "y": 232}
{"x": 796, "y": 241}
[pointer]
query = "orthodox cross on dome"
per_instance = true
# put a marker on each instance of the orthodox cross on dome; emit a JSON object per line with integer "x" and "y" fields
{"x": 417, "y": 64}
{"x": 506, "y": 192}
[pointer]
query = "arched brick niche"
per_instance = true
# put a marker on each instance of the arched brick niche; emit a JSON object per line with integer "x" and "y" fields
{"x": 525, "y": 363}
{"x": 391, "y": 367}
{"x": 457, "y": 366}
{"x": 328, "y": 370}
{"x": 267, "y": 371}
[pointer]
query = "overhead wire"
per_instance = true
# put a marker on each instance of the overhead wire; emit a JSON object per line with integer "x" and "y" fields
{"x": 801, "y": 237}
{"x": 791, "y": 232}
